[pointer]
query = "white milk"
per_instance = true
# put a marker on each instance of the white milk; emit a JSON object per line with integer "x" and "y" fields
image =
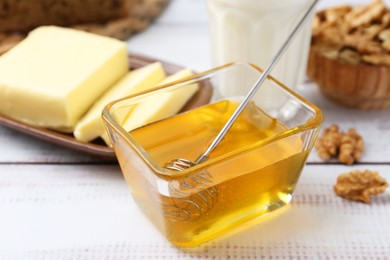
{"x": 253, "y": 31}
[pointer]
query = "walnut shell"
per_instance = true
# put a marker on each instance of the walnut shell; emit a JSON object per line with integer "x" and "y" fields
{"x": 359, "y": 85}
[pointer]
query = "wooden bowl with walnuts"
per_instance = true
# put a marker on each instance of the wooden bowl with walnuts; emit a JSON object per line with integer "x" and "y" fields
{"x": 350, "y": 55}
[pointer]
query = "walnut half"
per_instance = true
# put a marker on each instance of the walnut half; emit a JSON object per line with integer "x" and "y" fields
{"x": 359, "y": 185}
{"x": 348, "y": 146}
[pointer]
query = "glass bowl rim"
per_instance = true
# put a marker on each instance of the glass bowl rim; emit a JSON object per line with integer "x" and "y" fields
{"x": 109, "y": 120}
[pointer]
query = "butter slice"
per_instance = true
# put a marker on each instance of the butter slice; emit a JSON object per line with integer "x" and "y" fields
{"x": 161, "y": 106}
{"x": 51, "y": 78}
{"x": 91, "y": 125}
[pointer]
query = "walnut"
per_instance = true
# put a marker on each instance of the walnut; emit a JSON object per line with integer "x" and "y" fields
{"x": 377, "y": 59}
{"x": 332, "y": 37}
{"x": 359, "y": 185}
{"x": 351, "y": 147}
{"x": 350, "y": 56}
{"x": 334, "y": 14}
{"x": 327, "y": 145}
{"x": 354, "y": 34}
{"x": 331, "y": 54}
{"x": 385, "y": 37}
{"x": 316, "y": 26}
{"x": 386, "y": 19}
{"x": 365, "y": 15}
{"x": 372, "y": 31}
{"x": 386, "y": 46}
{"x": 347, "y": 147}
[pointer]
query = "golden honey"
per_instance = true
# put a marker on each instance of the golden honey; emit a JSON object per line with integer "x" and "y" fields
{"x": 250, "y": 173}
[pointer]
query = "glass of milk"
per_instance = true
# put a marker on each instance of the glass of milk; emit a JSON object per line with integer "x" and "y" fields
{"x": 254, "y": 30}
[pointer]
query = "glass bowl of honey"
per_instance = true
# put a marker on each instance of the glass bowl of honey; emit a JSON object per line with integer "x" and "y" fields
{"x": 252, "y": 172}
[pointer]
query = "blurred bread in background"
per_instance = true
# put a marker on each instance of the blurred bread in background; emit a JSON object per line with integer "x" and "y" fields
{"x": 24, "y": 15}
{"x": 114, "y": 18}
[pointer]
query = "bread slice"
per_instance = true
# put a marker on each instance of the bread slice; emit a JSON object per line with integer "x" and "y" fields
{"x": 22, "y": 15}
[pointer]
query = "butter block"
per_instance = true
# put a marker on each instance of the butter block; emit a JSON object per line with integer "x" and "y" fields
{"x": 91, "y": 125}
{"x": 51, "y": 78}
{"x": 161, "y": 106}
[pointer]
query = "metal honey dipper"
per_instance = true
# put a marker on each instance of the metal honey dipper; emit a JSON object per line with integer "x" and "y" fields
{"x": 207, "y": 197}
{"x": 182, "y": 164}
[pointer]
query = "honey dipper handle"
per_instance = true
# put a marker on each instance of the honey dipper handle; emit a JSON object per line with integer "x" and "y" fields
{"x": 256, "y": 86}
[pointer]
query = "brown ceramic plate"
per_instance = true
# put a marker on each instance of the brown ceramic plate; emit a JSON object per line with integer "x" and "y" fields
{"x": 98, "y": 148}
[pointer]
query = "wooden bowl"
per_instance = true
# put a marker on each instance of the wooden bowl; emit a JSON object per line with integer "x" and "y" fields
{"x": 359, "y": 86}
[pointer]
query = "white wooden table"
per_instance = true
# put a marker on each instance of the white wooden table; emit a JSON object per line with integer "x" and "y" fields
{"x": 60, "y": 204}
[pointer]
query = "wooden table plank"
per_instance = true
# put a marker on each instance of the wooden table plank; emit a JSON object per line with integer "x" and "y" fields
{"x": 87, "y": 212}
{"x": 19, "y": 148}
